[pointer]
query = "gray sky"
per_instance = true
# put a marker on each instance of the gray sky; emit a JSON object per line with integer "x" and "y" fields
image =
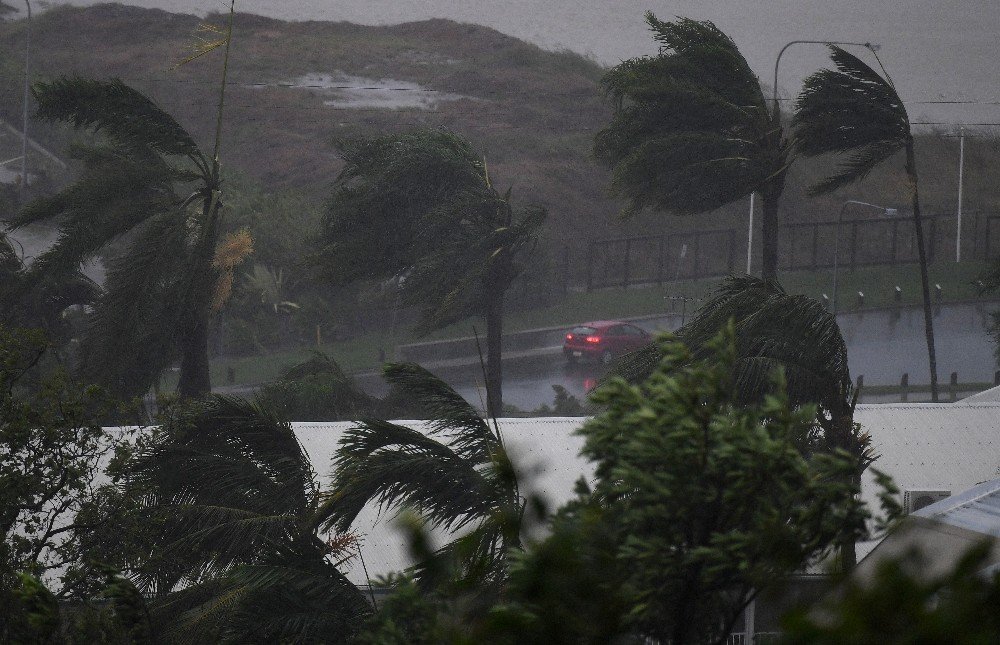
{"x": 934, "y": 49}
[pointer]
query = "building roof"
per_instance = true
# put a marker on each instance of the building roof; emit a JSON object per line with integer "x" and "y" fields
{"x": 922, "y": 446}
{"x": 977, "y": 509}
{"x": 991, "y": 395}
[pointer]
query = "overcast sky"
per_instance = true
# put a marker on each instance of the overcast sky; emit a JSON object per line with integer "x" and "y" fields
{"x": 935, "y": 49}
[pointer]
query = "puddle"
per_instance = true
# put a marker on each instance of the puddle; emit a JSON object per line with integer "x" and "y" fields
{"x": 344, "y": 91}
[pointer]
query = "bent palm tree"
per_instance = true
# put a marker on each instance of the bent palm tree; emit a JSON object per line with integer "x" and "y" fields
{"x": 147, "y": 180}
{"x": 457, "y": 477}
{"x": 692, "y": 131}
{"x": 856, "y": 111}
{"x": 232, "y": 501}
{"x": 421, "y": 207}
{"x": 776, "y": 330}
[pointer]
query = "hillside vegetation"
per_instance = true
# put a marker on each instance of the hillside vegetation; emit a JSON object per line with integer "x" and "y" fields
{"x": 532, "y": 112}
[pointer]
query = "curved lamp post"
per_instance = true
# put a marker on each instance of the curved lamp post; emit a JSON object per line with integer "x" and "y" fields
{"x": 776, "y": 112}
{"x": 891, "y": 212}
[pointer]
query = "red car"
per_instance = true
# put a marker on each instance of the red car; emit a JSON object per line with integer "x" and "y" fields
{"x": 604, "y": 340}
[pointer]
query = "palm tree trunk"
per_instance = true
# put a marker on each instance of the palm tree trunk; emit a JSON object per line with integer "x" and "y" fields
{"x": 769, "y": 232}
{"x": 195, "y": 380}
{"x": 494, "y": 369}
{"x": 911, "y": 171}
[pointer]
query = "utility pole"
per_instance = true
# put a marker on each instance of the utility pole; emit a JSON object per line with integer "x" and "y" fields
{"x": 961, "y": 168}
{"x": 750, "y": 236}
{"x": 24, "y": 122}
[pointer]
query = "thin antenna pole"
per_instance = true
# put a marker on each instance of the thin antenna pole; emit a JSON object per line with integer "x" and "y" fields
{"x": 961, "y": 168}
{"x": 24, "y": 122}
{"x": 222, "y": 91}
{"x": 750, "y": 236}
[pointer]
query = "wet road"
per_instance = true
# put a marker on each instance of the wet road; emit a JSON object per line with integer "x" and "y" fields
{"x": 882, "y": 345}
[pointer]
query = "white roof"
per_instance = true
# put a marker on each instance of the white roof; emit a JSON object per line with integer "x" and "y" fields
{"x": 922, "y": 446}
{"x": 977, "y": 509}
{"x": 991, "y": 395}
{"x": 546, "y": 451}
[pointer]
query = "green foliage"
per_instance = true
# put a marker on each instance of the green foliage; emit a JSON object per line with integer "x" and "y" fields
{"x": 691, "y": 130}
{"x": 224, "y": 530}
{"x": 902, "y": 605}
{"x": 31, "y": 613}
{"x": 141, "y": 177}
{"x": 712, "y": 500}
{"x": 852, "y": 110}
{"x": 51, "y": 446}
{"x": 316, "y": 390}
{"x": 421, "y": 206}
{"x": 456, "y": 477}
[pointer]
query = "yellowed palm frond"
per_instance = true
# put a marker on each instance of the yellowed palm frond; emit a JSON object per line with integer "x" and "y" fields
{"x": 207, "y": 38}
{"x": 235, "y": 248}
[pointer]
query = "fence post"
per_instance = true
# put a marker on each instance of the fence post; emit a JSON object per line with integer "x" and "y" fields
{"x": 659, "y": 260}
{"x": 954, "y": 386}
{"x": 904, "y": 388}
{"x": 895, "y": 234}
{"x": 732, "y": 250}
{"x": 590, "y": 267}
{"x": 860, "y": 384}
{"x": 815, "y": 262}
{"x": 628, "y": 257}
{"x": 996, "y": 378}
{"x": 854, "y": 243}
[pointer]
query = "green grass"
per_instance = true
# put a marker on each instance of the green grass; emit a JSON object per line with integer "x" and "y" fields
{"x": 878, "y": 285}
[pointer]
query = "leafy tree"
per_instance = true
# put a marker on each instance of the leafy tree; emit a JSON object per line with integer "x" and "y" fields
{"x": 855, "y": 111}
{"x": 777, "y": 330}
{"x": 691, "y": 130}
{"x": 457, "y": 477}
{"x": 421, "y": 206}
{"x": 316, "y": 390}
{"x": 900, "y": 605}
{"x": 51, "y": 448}
{"x": 711, "y": 500}
{"x": 228, "y": 533}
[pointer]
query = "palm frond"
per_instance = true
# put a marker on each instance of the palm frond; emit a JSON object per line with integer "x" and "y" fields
{"x": 852, "y": 111}
{"x": 691, "y": 129}
{"x": 395, "y": 467}
{"x": 773, "y": 330}
{"x": 115, "y": 109}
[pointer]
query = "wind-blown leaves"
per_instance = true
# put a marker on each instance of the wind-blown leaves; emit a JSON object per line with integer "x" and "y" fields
{"x": 773, "y": 330}
{"x": 456, "y": 476}
{"x": 125, "y": 115}
{"x": 691, "y": 130}
{"x": 231, "y": 496}
{"x": 852, "y": 110}
{"x": 144, "y": 179}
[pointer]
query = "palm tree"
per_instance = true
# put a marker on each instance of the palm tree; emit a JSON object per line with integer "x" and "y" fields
{"x": 420, "y": 206}
{"x": 691, "y": 130}
{"x": 456, "y": 477}
{"x": 855, "y": 111}
{"x": 147, "y": 180}
{"x": 230, "y": 546}
{"x": 776, "y": 330}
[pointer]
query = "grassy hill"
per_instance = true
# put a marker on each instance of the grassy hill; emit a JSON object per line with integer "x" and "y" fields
{"x": 532, "y": 112}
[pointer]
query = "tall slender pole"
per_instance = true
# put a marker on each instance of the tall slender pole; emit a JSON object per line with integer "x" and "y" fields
{"x": 24, "y": 116}
{"x": 750, "y": 236}
{"x": 961, "y": 168}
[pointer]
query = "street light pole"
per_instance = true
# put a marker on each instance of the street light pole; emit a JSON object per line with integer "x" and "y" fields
{"x": 777, "y": 61}
{"x": 24, "y": 116}
{"x": 836, "y": 244}
{"x": 961, "y": 168}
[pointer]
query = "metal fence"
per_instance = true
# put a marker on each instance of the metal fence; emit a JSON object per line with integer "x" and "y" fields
{"x": 656, "y": 259}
